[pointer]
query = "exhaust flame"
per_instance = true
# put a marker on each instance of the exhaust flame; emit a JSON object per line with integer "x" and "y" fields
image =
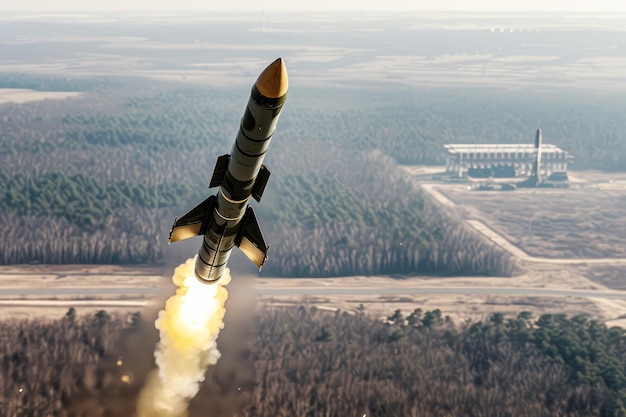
{"x": 188, "y": 328}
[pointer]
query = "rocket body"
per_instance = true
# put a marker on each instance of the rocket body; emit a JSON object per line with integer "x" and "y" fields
{"x": 226, "y": 219}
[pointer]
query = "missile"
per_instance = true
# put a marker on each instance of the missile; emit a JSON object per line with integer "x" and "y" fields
{"x": 225, "y": 219}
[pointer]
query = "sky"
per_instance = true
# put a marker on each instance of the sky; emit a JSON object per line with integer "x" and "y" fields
{"x": 317, "y": 5}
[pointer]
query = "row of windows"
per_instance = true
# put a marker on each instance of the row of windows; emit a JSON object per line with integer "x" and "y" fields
{"x": 513, "y": 155}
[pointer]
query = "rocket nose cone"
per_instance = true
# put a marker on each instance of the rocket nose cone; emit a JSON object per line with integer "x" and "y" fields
{"x": 273, "y": 81}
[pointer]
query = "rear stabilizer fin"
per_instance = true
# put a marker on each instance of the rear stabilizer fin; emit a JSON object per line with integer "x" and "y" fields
{"x": 251, "y": 240}
{"x": 260, "y": 183}
{"x": 221, "y": 166}
{"x": 193, "y": 223}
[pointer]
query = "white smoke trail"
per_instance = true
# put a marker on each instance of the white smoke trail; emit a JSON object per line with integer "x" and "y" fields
{"x": 188, "y": 328}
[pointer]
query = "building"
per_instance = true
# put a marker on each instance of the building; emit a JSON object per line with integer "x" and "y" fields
{"x": 461, "y": 158}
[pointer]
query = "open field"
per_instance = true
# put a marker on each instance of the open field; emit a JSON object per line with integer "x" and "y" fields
{"x": 611, "y": 276}
{"x": 578, "y": 232}
{"x": 588, "y": 222}
{"x": 21, "y": 95}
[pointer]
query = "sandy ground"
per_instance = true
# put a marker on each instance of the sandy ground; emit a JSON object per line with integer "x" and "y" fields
{"x": 80, "y": 276}
{"x": 23, "y": 276}
{"x": 459, "y": 307}
{"x": 465, "y": 307}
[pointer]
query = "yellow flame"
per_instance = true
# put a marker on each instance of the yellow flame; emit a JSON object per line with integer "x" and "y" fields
{"x": 188, "y": 327}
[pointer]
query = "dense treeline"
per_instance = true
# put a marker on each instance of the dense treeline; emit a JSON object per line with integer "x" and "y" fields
{"x": 131, "y": 236}
{"x": 410, "y": 126}
{"x": 310, "y": 363}
{"x": 594, "y": 354}
{"x": 87, "y": 201}
{"x": 43, "y": 363}
{"x": 38, "y": 83}
{"x": 371, "y": 221}
{"x": 423, "y": 366}
{"x": 169, "y": 120}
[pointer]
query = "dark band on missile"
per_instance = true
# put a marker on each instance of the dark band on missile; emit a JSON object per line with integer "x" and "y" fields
{"x": 266, "y": 102}
{"x": 204, "y": 261}
{"x": 250, "y": 155}
{"x": 208, "y": 249}
{"x": 218, "y": 230}
{"x": 248, "y": 122}
{"x": 237, "y": 190}
{"x": 207, "y": 263}
{"x": 255, "y": 140}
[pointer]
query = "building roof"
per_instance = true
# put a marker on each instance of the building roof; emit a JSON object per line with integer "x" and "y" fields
{"x": 456, "y": 148}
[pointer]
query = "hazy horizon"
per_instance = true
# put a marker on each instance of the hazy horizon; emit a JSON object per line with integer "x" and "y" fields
{"x": 320, "y": 6}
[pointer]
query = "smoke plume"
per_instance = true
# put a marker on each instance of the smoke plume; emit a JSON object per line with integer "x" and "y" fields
{"x": 188, "y": 327}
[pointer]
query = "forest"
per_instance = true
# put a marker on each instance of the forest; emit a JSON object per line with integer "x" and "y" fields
{"x": 55, "y": 83}
{"x": 99, "y": 178}
{"x": 308, "y": 362}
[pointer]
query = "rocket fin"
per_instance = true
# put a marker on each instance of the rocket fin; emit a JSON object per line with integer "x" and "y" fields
{"x": 260, "y": 183}
{"x": 220, "y": 170}
{"x": 193, "y": 223}
{"x": 251, "y": 240}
